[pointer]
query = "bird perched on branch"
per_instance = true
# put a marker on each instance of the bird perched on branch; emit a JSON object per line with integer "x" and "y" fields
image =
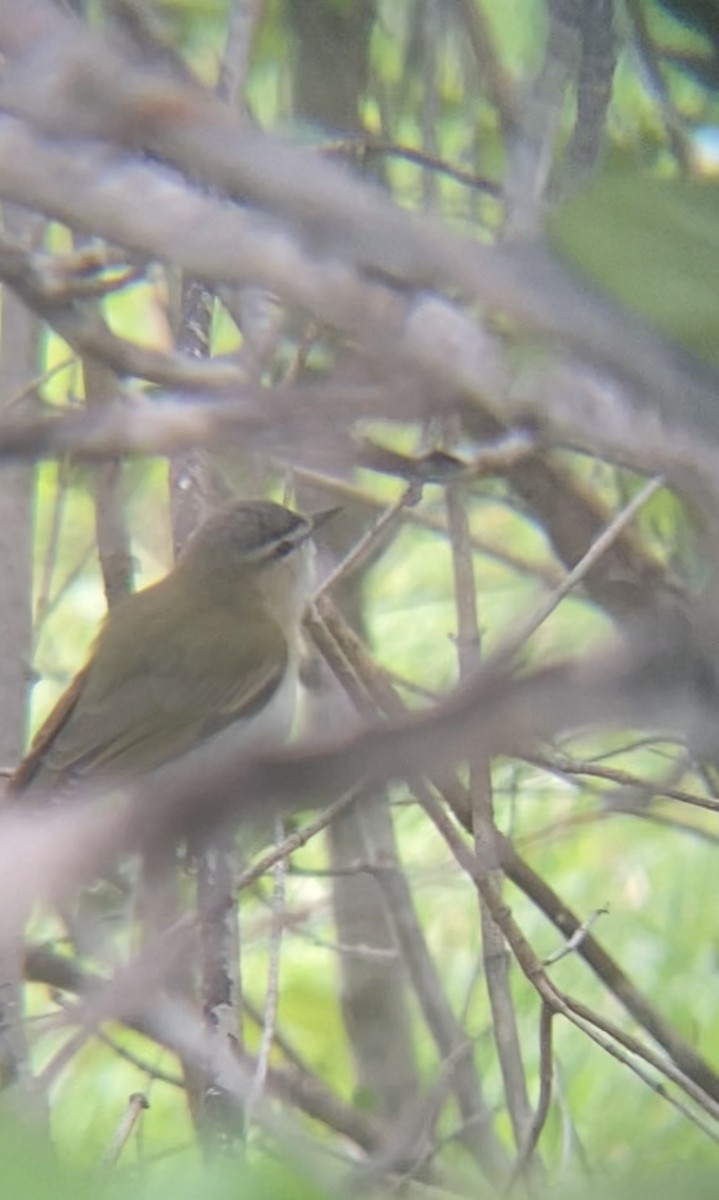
{"x": 205, "y": 661}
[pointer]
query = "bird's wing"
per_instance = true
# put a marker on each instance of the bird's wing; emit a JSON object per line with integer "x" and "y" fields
{"x": 27, "y": 768}
{"x": 162, "y": 696}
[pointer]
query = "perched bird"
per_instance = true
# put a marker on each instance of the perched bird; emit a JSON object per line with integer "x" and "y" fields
{"x": 203, "y": 661}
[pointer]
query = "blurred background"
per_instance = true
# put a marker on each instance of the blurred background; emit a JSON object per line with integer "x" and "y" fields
{"x": 452, "y": 265}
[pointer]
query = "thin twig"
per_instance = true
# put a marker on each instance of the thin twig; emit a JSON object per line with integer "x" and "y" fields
{"x": 272, "y": 993}
{"x": 494, "y": 951}
{"x": 152, "y": 1072}
{"x": 364, "y": 674}
{"x": 650, "y": 67}
{"x": 681, "y": 1052}
{"x": 50, "y": 557}
{"x": 366, "y": 146}
{"x": 294, "y": 841}
{"x": 585, "y": 1023}
{"x": 171, "y": 1027}
{"x": 549, "y": 574}
{"x": 244, "y": 21}
{"x": 111, "y": 530}
{"x": 362, "y": 549}
{"x": 33, "y": 388}
{"x": 577, "y": 937}
{"x": 523, "y": 630}
{"x": 137, "y": 1104}
{"x": 576, "y": 1012}
{"x": 546, "y": 1017}
{"x": 568, "y": 766}
{"x": 62, "y": 1058}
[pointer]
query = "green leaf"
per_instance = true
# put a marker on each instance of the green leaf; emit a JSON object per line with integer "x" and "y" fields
{"x": 653, "y": 245}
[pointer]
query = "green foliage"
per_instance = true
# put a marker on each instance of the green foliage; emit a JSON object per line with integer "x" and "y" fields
{"x": 653, "y": 245}
{"x": 31, "y": 1170}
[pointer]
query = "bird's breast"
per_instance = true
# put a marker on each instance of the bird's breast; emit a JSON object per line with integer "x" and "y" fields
{"x": 262, "y": 731}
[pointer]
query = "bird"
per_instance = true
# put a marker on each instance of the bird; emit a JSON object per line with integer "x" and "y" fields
{"x": 203, "y": 662}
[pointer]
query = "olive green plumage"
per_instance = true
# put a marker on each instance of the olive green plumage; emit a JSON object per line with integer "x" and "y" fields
{"x": 213, "y": 645}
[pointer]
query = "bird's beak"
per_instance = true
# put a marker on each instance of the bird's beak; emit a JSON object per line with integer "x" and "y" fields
{"x": 318, "y": 519}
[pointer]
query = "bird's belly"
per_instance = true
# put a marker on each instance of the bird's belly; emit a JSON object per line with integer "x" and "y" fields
{"x": 271, "y": 726}
{"x": 257, "y": 734}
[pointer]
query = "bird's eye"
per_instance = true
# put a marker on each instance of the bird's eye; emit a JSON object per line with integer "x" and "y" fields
{"x": 283, "y": 548}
